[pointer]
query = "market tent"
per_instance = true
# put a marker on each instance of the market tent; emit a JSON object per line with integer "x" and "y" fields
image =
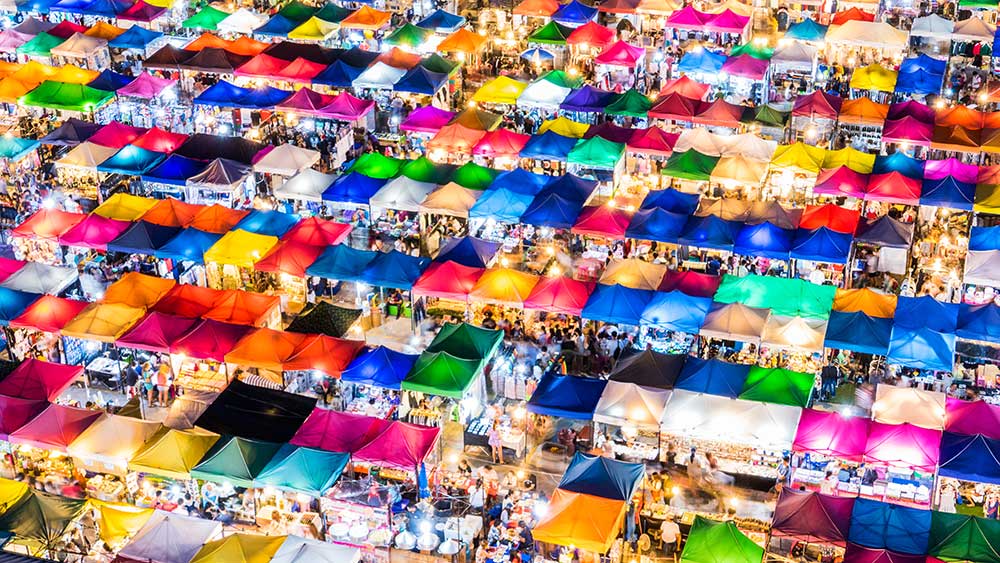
{"x": 169, "y": 538}
{"x": 602, "y": 477}
{"x": 932, "y": 25}
{"x": 125, "y": 207}
{"x": 341, "y": 262}
{"x": 539, "y": 8}
{"x": 172, "y": 212}
{"x": 979, "y": 322}
{"x": 921, "y": 348}
{"x": 961, "y": 537}
{"x": 841, "y": 181}
{"x": 240, "y": 248}
{"x": 326, "y": 354}
{"x": 559, "y": 295}
{"x": 763, "y": 239}
{"x": 71, "y": 133}
{"x": 899, "y": 405}
{"x": 710, "y": 541}
{"x": 337, "y": 431}
{"x": 187, "y": 300}
{"x": 617, "y": 304}
{"x": 40, "y": 517}
{"x": 714, "y": 377}
{"x": 450, "y": 200}
{"x": 972, "y": 417}
{"x": 305, "y": 100}
{"x": 676, "y": 311}
{"x": 548, "y": 146}
{"x": 501, "y": 143}
{"x": 302, "y": 550}
{"x": 13, "y": 303}
{"x": 584, "y": 521}
{"x": 466, "y": 341}
{"x": 156, "y": 332}
{"x": 119, "y": 522}
{"x": 859, "y": 332}
{"x": 108, "y": 444}
{"x": 832, "y": 434}
{"x": 241, "y": 547}
{"x": 346, "y": 107}
{"x": 307, "y": 185}
{"x": 794, "y": 333}
{"x": 138, "y": 290}
{"x": 48, "y": 314}
{"x": 142, "y": 238}
{"x": 812, "y": 517}
{"x": 399, "y": 445}
{"x": 172, "y": 453}
{"x": 54, "y": 428}
{"x": 735, "y": 321}
{"x": 874, "y": 77}
{"x": 656, "y": 224}
{"x": 325, "y": 319}
{"x": 591, "y": 34}
{"x": 503, "y": 286}
{"x": 353, "y": 188}
{"x": 880, "y": 525}
{"x": 821, "y": 245}
{"x": 447, "y": 280}
{"x": 886, "y": 231}
{"x": 426, "y": 119}
{"x": 440, "y": 373}
{"x": 903, "y": 446}
{"x": 455, "y": 138}
{"x": 628, "y": 404}
{"x": 286, "y": 160}
{"x": 67, "y": 96}
{"x": 777, "y": 385}
{"x": 175, "y": 170}
{"x": 266, "y": 348}
{"x": 135, "y": 37}
{"x": 209, "y": 339}
{"x": 864, "y": 111}
{"x": 468, "y": 251}
{"x": 501, "y": 90}
{"x": 303, "y": 470}
{"x": 867, "y": 34}
{"x": 981, "y": 267}
{"x": 633, "y": 273}
{"x": 17, "y": 412}
{"x": 394, "y": 269}
{"x": 970, "y": 458}
{"x": 85, "y": 155}
{"x": 566, "y": 396}
{"x": 690, "y": 165}
{"x": 190, "y": 245}
{"x": 743, "y": 422}
{"x": 339, "y": 75}
{"x": 39, "y": 380}
{"x": 379, "y": 366}
{"x": 102, "y": 322}
{"x": 227, "y": 95}
{"x": 36, "y": 277}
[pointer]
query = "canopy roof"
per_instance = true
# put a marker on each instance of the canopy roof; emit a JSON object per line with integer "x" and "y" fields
{"x": 624, "y": 404}
{"x": 48, "y": 314}
{"x": 55, "y": 428}
{"x": 832, "y": 434}
{"x": 812, "y": 517}
{"x": 710, "y": 540}
{"x": 103, "y": 322}
{"x": 903, "y": 445}
{"x": 39, "y": 380}
{"x": 235, "y": 460}
{"x": 156, "y": 332}
{"x": 504, "y": 286}
{"x": 108, "y": 444}
{"x": 170, "y": 538}
{"x": 879, "y": 525}
{"x": 585, "y": 521}
{"x": 379, "y": 366}
{"x": 602, "y": 477}
{"x": 239, "y": 548}
{"x": 972, "y": 417}
{"x": 172, "y": 453}
{"x": 440, "y": 373}
{"x": 448, "y": 280}
{"x": 616, "y": 304}
{"x": 745, "y": 422}
{"x": 566, "y": 396}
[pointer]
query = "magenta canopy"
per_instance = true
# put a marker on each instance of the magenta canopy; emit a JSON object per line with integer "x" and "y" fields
{"x": 951, "y": 168}
{"x": 427, "y": 119}
{"x": 812, "y": 517}
{"x": 652, "y": 140}
{"x": 903, "y": 445}
{"x": 335, "y": 431}
{"x": 39, "y": 380}
{"x": 94, "y": 232}
{"x": 857, "y": 554}
{"x": 689, "y": 282}
{"x": 841, "y": 181}
{"x": 347, "y": 107}
{"x": 688, "y": 18}
{"x": 907, "y": 130}
{"x": 305, "y": 100}
{"x": 146, "y": 86}
{"x": 727, "y": 21}
{"x": 16, "y": 412}
{"x": 116, "y": 135}
{"x": 831, "y": 434}
{"x": 55, "y": 428}
{"x": 911, "y": 108}
{"x": 400, "y": 445}
{"x": 156, "y": 332}
{"x": 818, "y": 105}
{"x": 746, "y": 66}
{"x": 620, "y": 54}
{"x": 210, "y": 340}
{"x": 972, "y": 417}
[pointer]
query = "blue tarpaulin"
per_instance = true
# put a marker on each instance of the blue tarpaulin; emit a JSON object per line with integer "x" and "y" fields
{"x": 106, "y": 8}
{"x": 587, "y": 99}
{"x": 278, "y": 26}
{"x": 501, "y": 205}
{"x": 442, "y": 21}
{"x": 671, "y": 200}
{"x": 548, "y": 146}
{"x": 419, "y": 80}
{"x": 617, "y": 304}
{"x": 190, "y": 245}
{"x": 354, "y": 188}
{"x": 225, "y": 94}
{"x": 925, "y": 63}
{"x": 806, "y": 30}
{"x": 379, "y": 366}
{"x": 674, "y": 310}
{"x": 571, "y": 187}
{"x": 110, "y": 81}
{"x": 821, "y": 245}
{"x": 603, "y": 477}
{"x": 270, "y": 222}
{"x": 656, "y": 224}
{"x": 701, "y": 60}
{"x": 985, "y": 238}
{"x": 338, "y": 75}
{"x": 764, "y": 239}
{"x": 947, "y": 192}
{"x": 131, "y": 161}
{"x": 468, "y": 251}
{"x": 979, "y": 322}
{"x": 566, "y": 396}
{"x": 574, "y": 14}
{"x": 920, "y": 312}
{"x": 921, "y": 348}
{"x": 899, "y": 162}
{"x": 709, "y": 232}
{"x": 919, "y": 82}
{"x": 881, "y": 525}
{"x": 713, "y": 377}
{"x": 970, "y": 458}
{"x": 549, "y": 209}
{"x": 13, "y": 303}
{"x": 175, "y": 170}
{"x": 341, "y": 262}
{"x": 143, "y": 237}
{"x": 520, "y": 181}
{"x": 858, "y": 332}
{"x": 394, "y": 269}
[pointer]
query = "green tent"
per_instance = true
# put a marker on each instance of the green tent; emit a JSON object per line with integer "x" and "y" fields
{"x": 690, "y": 165}
{"x": 440, "y": 373}
{"x": 473, "y": 176}
{"x": 778, "y": 385}
{"x": 762, "y": 52}
{"x": 235, "y": 460}
{"x": 324, "y": 318}
{"x": 977, "y": 3}
{"x": 784, "y": 296}
{"x": 40, "y": 45}
{"x": 376, "y": 165}
{"x": 297, "y": 11}
{"x": 437, "y": 63}
{"x": 69, "y": 97}
{"x": 467, "y": 341}
{"x": 40, "y": 516}
{"x": 333, "y": 13}
{"x": 424, "y": 170}
{"x": 632, "y": 103}
{"x": 208, "y": 18}
{"x": 960, "y": 537}
{"x": 303, "y": 470}
{"x": 766, "y": 115}
{"x": 719, "y": 542}
{"x": 550, "y": 34}
{"x": 596, "y": 152}
{"x": 408, "y": 35}
{"x": 562, "y": 79}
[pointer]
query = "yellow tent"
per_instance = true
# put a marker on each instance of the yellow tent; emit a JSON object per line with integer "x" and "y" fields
{"x": 565, "y": 127}
{"x": 103, "y": 322}
{"x": 450, "y": 199}
{"x": 500, "y": 90}
{"x": 34, "y": 72}
{"x": 10, "y": 492}
{"x": 503, "y": 286}
{"x": 240, "y": 548}
{"x": 858, "y": 161}
{"x": 739, "y": 170}
{"x": 72, "y": 74}
{"x": 865, "y": 300}
{"x": 462, "y": 41}
{"x": 104, "y": 30}
{"x": 874, "y": 77}
{"x": 107, "y": 445}
{"x": 138, "y": 290}
{"x": 161, "y": 3}
{"x": 8, "y": 68}
{"x": 172, "y": 453}
{"x": 634, "y": 273}
{"x": 119, "y": 522}
{"x": 240, "y": 248}
{"x": 585, "y": 521}
{"x": 313, "y": 29}
{"x": 799, "y": 156}
{"x": 125, "y": 207}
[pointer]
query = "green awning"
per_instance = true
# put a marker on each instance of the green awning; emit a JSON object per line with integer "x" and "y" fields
{"x": 596, "y": 152}
{"x": 437, "y": 63}
{"x": 376, "y": 165}
{"x": 423, "y": 170}
{"x": 690, "y": 165}
{"x": 40, "y": 45}
{"x": 977, "y": 3}
{"x": 562, "y": 79}
{"x": 766, "y": 115}
{"x": 297, "y": 11}
{"x": 333, "y": 13}
{"x": 208, "y": 18}
{"x": 303, "y": 470}
{"x": 40, "y": 517}
{"x": 959, "y": 537}
{"x": 711, "y": 542}
{"x": 778, "y": 385}
{"x": 440, "y": 373}
{"x": 467, "y": 341}
{"x": 550, "y": 34}
{"x": 408, "y": 35}
{"x": 474, "y": 176}
{"x": 632, "y": 103}
{"x": 784, "y": 296}
{"x": 762, "y": 52}
{"x": 235, "y": 460}
{"x": 69, "y": 97}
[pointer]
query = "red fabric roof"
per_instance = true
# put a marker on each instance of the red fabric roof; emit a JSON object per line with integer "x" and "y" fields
{"x": 187, "y": 300}
{"x": 300, "y": 70}
{"x": 831, "y": 216}
{"x": 893, "y": 187}
{"x": 819, "y": 104}
{"x": 602, "y": 221}
{"x": 325, "y": 354}
{"x": 156, "y": 332}
{"x": 159, "y": 140}
{"x": 65, "y": 29}
{"x": 115, "y": 135}
{"x": 262, "y": 66}
{"x": 209, "y": 340}
{"x": 591, "y": 34}
{"x": 674, "y": 106}
{"x": 560, "y": 295}
{"x": 16, "y": 412}
{"x": 8, "y": 266}
{"x": 718, "y": 113}
{"x": 318, "y": 232}
{"x": 400, "y": 445}
{"x": 652, "y": 140}
{"x": 695, "y": 284}
{"x": 49, "y": 314}
{"x": 853, "y": 14}
{"x": 290, "y": 258}
{"x": 501, "y": 142}
{"x": 447, "y": 280}
{"x": 39, "y": 380}
{"x": 48, "y": 224}
{"x": 686, "y": 87}
{"x": 56, "y": 427}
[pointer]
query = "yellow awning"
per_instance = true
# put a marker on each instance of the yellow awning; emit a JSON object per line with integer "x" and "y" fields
{"x": 172, "y": 453}
{"x": 858, "y": 161}
{"x": 103, "y": 322}
{"x": 125, "y": 207}
{"x": 119, "y": 522}
{"x": 240, "y": 548}
{"x": 500, "y": 90}
{"x": 503, "y": 286}
{"x": 874, "y": 77}
{"x": 634, "y": 273}
{"x": 799, "y": 156}
{"x": 565, "y": 127}
{"x": 240, "y": 248}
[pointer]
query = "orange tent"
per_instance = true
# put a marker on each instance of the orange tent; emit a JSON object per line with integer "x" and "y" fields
{"x": 956, "y": 138}
{"x": 863, "y": 111}
{"x": 324, "y": 353}
{"x": 8, "y": 68}
{"x": 462, "y": 41}
{"x": 584, "y": 521}
{"x": 246, "y": 46}
{"x": 172, "y": 212}
{"x": 398, "y": 58}
{"x": 366, "y": 17}
{"x": 853, "y": 14}
{"x": 960, "y": 115}
{"x": 266, "y": 348}
{"x": 866, "y": 301}
{"x": 206, "y": 40}
{"x": 138, "y": 290}
{"x": 218, "y": 219}
{"x": 104, "y": 30}
{"x": 455, "y": 138}
{"x": 243, "y": 308}
{"x": 541, "y": 8}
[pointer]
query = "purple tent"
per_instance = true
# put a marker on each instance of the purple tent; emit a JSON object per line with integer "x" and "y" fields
{"x": 812, "y": 517}
{"x": 426, "y": 119}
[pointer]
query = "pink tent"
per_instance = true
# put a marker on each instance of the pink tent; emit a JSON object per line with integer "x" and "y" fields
{"x": 841, "y": 181}
{"x": 831, "y": 434}
{"x": 55, "y": 428}
{"x": 812, "y": 517}
{"x": 903, "y": 445}
{"x": 39, "y": 380}
{"x": 591, "y": 34}
{"x": 858, "y": 554}
{"x": 447, "y": 280}
{"x": 16, "y": 412}
{"x": 305, "y": 100}
{"x": 318, "y": 232}
{"x": 94, "y": 232}
{"x": 728, "y": 21}
{"x": 116, "y": 135}
{"x": 209, "y": 340}
{"x": 347, "y": 107}
{"x": 907, "y": 130}
{"x": 335, "y": 431}
{"x": 9, "y": 266}
{"x": 911, "y": 108}
{"x": 146, "y": 86}
{"x": 400, "y": 445}
{"x": 602, "y": 221}
{"x": 620, "y": 54}
{"x": 953, "y": 168}
{"x": 685, "y": 86}
{"x": 746, "y": 66}
{"x": 560, "y": 295}
{"x": 156, "y": 332}
{"x": 688, "y": 18}
{"x": 972, "y": 417}
{"x": 818, "y": 105}
{"x": 427, "y": 119}
{"x": 652, "y": 140}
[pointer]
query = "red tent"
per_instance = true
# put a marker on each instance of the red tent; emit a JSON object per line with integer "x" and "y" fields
{"x": 159, "y": 140}
{"x": 55, "y": 428}
{"x": 243, "y": 308}
{"x": 305, "y": 100}
{"x": 853, "y": 14}
{"x": 49, "y": 314}
{"x": 602, "y": 221}
{"x": 674, "y": 107}
{"x": 501, "y": 143}
{"x": 907, "y": 129}
{"x": 398, "y": 58}
{"x": 620, "y": 54}
{"x": 400, "y": 446}
{"x": 326, "y": 354}
{"x": 185, "y": 300}
{"x": 115, "y": 135}
{"x": 94, "y": 232}
{"x": 841, "y": 181}
{"x": 695, "y": 284}
{"x": 39, "y": 380}
{"x": 209, "y": 340}
{"x": 47, "y": 224}
{"x": 290, "y": 258}
{"x": 246, "y": 46}
{"x": 559, "y": 295}
{"x": 818, "y": 105}
{"x": 336, "y": 431}
{"x": 218, "y": 219}
{"x": 318, "y": 232}
{"x": 894, "y": 188}
{"x": 156, "y": 332}
{"x": 718, "y": 113}
{"x": 172, "y": 212}
{"x": 541, "y": 8}
{"x": 447, "y": 280}
{"x": 831, "y": 216}
{"x": 300, "y": 70}
{"x": 618, "y": 6}
{"x": 262, "y": 66}
{"x": 65, "y": 29}
{"x": 591, "y": 34}
{"x": 686, "y": 87}
{"x": 9, "y": 266}
{"x": 652, "y": 140}
{"x": 16, "y": 412}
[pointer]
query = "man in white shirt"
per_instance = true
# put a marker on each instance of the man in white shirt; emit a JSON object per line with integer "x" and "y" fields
{"x": 670, "y": 537}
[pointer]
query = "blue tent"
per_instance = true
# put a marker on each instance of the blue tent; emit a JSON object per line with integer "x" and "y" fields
{"x": 341, "y": 262}
{"x": 419, "y": 80}
{"x": 354, "y": 188}
{"x": 175, "y": 170}
{"x": 924, "y": 63}
{"x": 520, "y": 181}
{"x": 501, "y": 205}
{"x": 548, "y": 146}
{"x": 674, "y": 310}
{"x": 587, "y": 99}
{"x": 106, "y": 8}
{"x": 979, "y": 322}
{"x": 713, "y": 377}
{"x": 39, "y": 6}
{"x": 985, "y": 238}
{"x": 16, "y": 148}
{"x": 571, "y": 187}
{"x": 671, "y": 200}
{"x": 602, "y": 477}
{"x": 277, "y": 26}
{"x": 442, "y": 21}
{"x": 270, "y": 222}
{"x": 709, "y": 232}
{"x": 303, "y": 470}
{"x": 110, "y": 81}
{"x": 899, "y": 162}
{"x": 948, "y": 192}
{"x": 135, "y": 37}
{"x": 858, "y": 332}
{"x": 806, "y": 30}
{"x": 338, "y": 75}
{"x": 970, "y": 458}
{"x": 919, "y": 312}
{"x": 468, "y": 251}
{"x": 921, "y": 348}
{"x": 189, "y": 245}
{"x": 880, "y": 525}
{"x": 71, "y": 133}
{"x": 131, "y": 161}
{"x": 885, "y": 231}
{"x": 821, "y": 245}
{"x": 228, "y": 95}
{"x": 617, "y": 304}
{"x": 68, "y": 6}
{"x": 549, "y": 209}
{"x": 394, "y": 269}
{"x": 701, "y": 60}
{"x": 919, "y": 82}
{"x": 764, "y": 239}
{"x": 656, "y": 224}
{"x": 143, "y": 237}
{"x": 574, "y": 14}
{"x": 13, "y": 303}
{"x": 379, "y": 366}
{"x": 566, "y": 396}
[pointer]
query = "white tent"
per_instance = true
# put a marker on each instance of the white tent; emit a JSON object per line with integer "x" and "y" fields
{"x": 794, "y": 55}
{"x": 302, "y": 550}
{"x": 542, "y": 94}
{"x": 85, "y": 155}
{"x": 710, "y": 417}
{"x": 735, "y": 321}
{"x": 907, "y": 405}
{"x": 80, "y": 46}
{"x": 749, "y": 145}
{"x": 286, "y": 160}
{"x": 634, "y": 273}
{"x": 982, "y": 267}
{"x": 450, "y": 199}
{"x": 728, "y": 208}
{"x": 628, "y": 404}
{"x": 242, "y": 21}
{"x": 307, "y": 185}
{"x": 170, "y": 538}
{"x": 41, "y": 278}
{"x": 108, "y": 444}
{"x": 868, "y": 34}
{"x": 973, "y": 29}
{"x": 796, "y": 333}
{"x": 402, "y": 194}
{"x": 379, "y": 75}
{"x": 932, "y": 26}
{"x": 701, "y": 140}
